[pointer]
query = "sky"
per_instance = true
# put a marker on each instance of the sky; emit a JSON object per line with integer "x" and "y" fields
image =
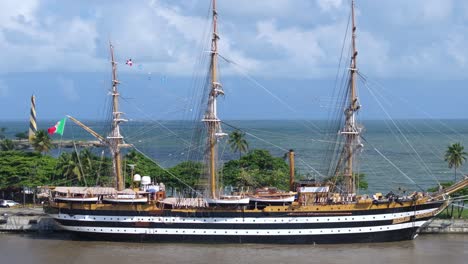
{"x": 283, "y": 57}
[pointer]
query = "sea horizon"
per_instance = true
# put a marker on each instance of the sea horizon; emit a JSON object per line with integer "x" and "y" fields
{"x": 166, "y": 141}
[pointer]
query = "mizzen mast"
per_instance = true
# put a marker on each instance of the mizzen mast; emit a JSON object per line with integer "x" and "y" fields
{"x": 350, "y": 130}
{"x": 210, "y": 118}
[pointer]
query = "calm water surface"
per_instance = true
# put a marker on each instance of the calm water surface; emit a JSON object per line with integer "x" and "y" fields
{"x": 44, "y": 249}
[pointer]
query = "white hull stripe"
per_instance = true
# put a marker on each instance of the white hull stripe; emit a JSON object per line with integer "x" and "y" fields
{"x": 239, "y": 220}
{"x": 245, "y": 232}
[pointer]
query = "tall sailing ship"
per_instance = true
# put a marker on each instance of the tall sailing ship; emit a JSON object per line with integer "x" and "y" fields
{"x": 306, "y": 214}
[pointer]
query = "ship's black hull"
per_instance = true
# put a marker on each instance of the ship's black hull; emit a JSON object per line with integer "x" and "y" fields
{"x": 382, "y": 224}
{"x": 386, "y": 236}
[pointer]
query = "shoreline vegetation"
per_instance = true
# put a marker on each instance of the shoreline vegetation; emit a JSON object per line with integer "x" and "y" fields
{"x": 28, "y": 165}
{"x": 25, "y": 166}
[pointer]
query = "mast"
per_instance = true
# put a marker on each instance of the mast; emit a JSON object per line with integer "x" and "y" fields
{"x": 351, "y": 131}
{"x": 115, "y": 138}
{"x": 211, "y": 119}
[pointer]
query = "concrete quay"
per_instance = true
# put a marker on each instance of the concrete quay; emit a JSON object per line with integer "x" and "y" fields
{"x": 446, "y": 226}
{"x": 25, "y": 219}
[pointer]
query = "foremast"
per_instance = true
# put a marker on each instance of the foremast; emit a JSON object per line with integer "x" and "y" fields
{"x": 212, "y": 122}
{"x": 115, "y": 139}
{"x": 351, "y": 131}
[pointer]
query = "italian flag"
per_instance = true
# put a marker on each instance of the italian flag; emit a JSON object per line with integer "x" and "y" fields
{"x": 58, "y": 128}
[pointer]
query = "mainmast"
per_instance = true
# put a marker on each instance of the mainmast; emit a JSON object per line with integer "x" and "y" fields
{"x": 351, "y": 131}
{"x": 115, "y": 138}
{"x": 211, "y": 119}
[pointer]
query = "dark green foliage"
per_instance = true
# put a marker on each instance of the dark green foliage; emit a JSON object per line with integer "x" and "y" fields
{"x": 187, "y": 172}
{"x": 30, "y": 169}
{"x": 18, "y": 168}
{"x": 6, "y": 145}
{"x": 363, "y": 184}
{"x": 257, "y": 169}
{"x": 360, "y": 179}
{"x": 42, "y": 142}
{"x": 84, "y": 168}
{"x": 455, "y": 156}
{"x": 143, "y": 166}
{"x": 237, "y": 142}
{"x": 21, "y": 135}
{"x": 453, "y": 210}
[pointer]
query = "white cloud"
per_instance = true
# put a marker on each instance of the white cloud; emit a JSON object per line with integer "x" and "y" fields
{"x": 328, "y": 5}
{"x": 436, "y": 9}
{"x": 456, "y": 48}
{"x": 14, "y": 14}
{"x": 287, "y": 38}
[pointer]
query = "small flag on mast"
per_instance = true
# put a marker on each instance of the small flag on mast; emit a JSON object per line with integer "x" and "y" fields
{"x": 129, "y": 62}
{"x": 58, "y": 128}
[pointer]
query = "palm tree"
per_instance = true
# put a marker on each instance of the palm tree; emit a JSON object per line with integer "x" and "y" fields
{"x": 455, "y": 156}
{"x": 69, "y": 166}
{"x": 237, "y": 142}
{"x": 7, "y": 144}
{"x": 42, "y": 142}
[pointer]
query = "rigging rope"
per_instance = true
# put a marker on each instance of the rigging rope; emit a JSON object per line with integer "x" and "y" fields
{"x": 167, "y": 171}
{"x": 276, "y": 146}
{"x": 240, "y": 69}
{"x": 399, "y": 130}
{"x": 395, "y": 166}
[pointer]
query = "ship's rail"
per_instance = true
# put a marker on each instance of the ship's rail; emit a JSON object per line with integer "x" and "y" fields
{"x": 441, "y": 194}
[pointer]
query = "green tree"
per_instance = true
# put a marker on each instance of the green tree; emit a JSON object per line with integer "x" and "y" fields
{"x": 187, "y": 173}
{"x": 7, "y": 144}
{"x": 144, "y": 166}
{"x": 461, "y": 203}
{"x": 42, "y": 142}
{"x": 69, "y": 167}
{"x": 360, "y": 179}
{"x": 258, "y": 168}
{"x": 183, "y": 176}
{"x": 455, "y": 156}
{"x": 31, "y": 169}
{"x": 84, "y": 168}
{"x": 237, "y": 142}
{"x": 21, "y": 135}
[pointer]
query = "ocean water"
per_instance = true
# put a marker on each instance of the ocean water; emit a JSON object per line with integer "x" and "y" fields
{"x": 397, "y": 155}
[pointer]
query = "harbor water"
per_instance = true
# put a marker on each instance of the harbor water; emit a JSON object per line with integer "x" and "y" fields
{"x": 62, "y": 248}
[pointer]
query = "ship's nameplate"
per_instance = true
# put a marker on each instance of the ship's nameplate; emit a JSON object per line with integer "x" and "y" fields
{"x": 319, "y": 214}
{"x": 424, "y": 215}
{"x": 401, "y": 220}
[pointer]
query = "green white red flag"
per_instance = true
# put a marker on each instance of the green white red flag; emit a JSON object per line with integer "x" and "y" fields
{"x": 58, "y": 128}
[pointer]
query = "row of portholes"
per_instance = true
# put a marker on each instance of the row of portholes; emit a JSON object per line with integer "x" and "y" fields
{"x": 226, "y": 232}
{"x": 225, "y": 220}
